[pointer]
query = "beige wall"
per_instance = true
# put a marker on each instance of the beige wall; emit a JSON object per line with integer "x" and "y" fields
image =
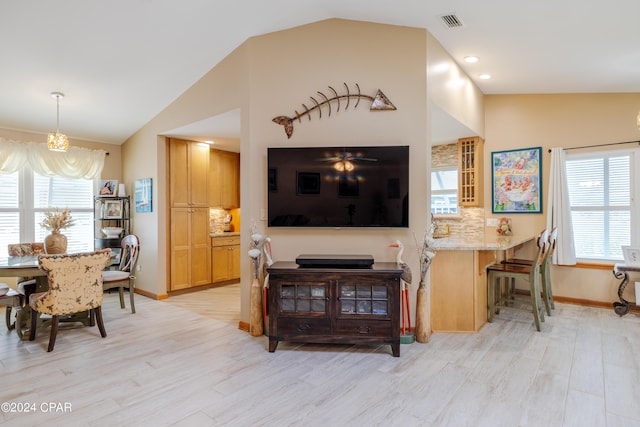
{"x": 547, "y": 121}
{"x": 452, "y": 91}
{"x": 273, "y": 75}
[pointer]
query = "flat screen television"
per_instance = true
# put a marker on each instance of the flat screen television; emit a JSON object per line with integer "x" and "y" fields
{"x": 338, "y": 186}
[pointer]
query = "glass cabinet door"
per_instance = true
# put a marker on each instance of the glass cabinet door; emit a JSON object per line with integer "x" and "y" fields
{"x": 363, "y": 299}
{"x": 304, "y": 298}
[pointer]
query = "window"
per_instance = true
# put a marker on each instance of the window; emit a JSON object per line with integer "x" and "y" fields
{"x": 601, "y": 195}
{"x": 444, "y": 191}
{"x": 25, "y": 197}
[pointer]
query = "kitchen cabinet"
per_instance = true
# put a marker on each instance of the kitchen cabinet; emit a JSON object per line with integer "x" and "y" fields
{"x": 190, "y": 248}
{"x": 470, "y": 171}
{"x": 189, "y": 173}
{"x": 335, "y": 305}
{"x": 224, "y": 179}
{"x": 225, "y": 258}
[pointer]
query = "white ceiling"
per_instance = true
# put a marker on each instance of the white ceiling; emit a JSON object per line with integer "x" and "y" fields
{"x": 121, "y": 62}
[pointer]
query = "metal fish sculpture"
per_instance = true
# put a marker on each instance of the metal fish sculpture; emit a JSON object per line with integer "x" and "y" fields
{"x": 378, "y": 102}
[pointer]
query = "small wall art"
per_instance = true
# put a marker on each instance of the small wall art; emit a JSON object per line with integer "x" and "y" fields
{"x": 143, "y": 195}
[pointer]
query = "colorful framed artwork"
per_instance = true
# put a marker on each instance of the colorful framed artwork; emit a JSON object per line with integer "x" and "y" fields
{"x": 516, "y": 181}
{"x": 108, "y": 188}
{"x": 143, "y": 195}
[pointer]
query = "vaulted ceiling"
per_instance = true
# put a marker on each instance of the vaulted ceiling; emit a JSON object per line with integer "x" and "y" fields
{"x": 121, "y": 62}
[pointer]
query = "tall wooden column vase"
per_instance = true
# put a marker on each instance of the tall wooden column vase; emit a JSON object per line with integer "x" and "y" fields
{"x": 255, "y": 321}
{"x": 423, "y": 321}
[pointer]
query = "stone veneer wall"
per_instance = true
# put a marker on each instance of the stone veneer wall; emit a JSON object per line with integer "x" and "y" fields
{"x": 470, "y": 222}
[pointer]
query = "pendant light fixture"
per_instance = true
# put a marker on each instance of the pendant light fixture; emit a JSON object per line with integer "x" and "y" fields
{"x": 57, "y": 141}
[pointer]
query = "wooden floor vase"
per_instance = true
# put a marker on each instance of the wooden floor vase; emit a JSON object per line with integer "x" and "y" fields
{"x": 255, "y": 322}
{"x": 423, "y": 325}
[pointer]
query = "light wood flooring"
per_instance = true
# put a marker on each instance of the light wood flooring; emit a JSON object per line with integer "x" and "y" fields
{"x": 179, "y": 362}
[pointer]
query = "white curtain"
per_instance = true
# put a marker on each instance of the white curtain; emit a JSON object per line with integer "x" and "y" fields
{"x": 76, "y": 162}
{"x": 559, "y": 210}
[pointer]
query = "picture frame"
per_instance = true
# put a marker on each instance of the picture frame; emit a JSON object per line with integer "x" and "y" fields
{"x": 516, "y": 181}
{"x": 308, "y": 183}
{"x": 112, "y": 209}
{"x": 108, "y": 188}
{"x": 144, "y": 195}
{"x": 631, "y": 256}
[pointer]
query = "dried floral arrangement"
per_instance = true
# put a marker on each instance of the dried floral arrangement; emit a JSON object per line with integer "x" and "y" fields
{"x": 57, "y": 220}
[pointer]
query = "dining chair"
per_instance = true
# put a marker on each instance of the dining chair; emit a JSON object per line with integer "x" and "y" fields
{"x": 75, "y": 285}
{"x": 24, "y": 285}
{"x": 500, "y": 273}
{"x": 547, "y": 291}
{"x": 123, "y": 277}
{"x": 10, "y": 299}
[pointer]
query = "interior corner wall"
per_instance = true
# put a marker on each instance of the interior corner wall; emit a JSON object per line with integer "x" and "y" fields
{"x": 222, "y": 89}
{"x": 563, "y": 120}
{"x": 289, "y": 67}
{"x": 451, "y": 90}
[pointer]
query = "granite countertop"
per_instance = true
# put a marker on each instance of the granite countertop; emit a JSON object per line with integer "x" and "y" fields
{"x": 481, "y": 243}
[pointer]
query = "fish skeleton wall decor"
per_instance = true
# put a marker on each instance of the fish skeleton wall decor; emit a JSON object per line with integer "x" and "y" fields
{"x": 378, "y": 102}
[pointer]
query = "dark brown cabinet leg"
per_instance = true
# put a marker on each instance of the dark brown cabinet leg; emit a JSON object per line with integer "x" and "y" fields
{"x": 395, "y": 349}
{"x": 273, "y": 344}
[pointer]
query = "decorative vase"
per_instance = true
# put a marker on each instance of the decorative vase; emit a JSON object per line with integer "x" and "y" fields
{"x": 255, "y": 321}
{"x": 423, "y": 325}
{"x": 55, "y": 243}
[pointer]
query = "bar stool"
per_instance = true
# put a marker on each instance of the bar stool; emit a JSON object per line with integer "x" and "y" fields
{"x": 499, "y": 273}
{"x": 547, "y": 292}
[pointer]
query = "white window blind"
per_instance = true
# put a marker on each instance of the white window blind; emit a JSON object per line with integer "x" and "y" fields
{"x": 444, "y": 191}
{"x": 25, "y": 196}
{"x": 600, "y": 194}
{"x": 9, "y": 211}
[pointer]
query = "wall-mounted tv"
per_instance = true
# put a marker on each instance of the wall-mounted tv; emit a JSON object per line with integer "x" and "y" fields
{"x": 338, "y": 186}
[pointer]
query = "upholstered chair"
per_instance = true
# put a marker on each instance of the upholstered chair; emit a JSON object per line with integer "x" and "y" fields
{"x": 124, "y": 278}
{"x": 75, "y": 285}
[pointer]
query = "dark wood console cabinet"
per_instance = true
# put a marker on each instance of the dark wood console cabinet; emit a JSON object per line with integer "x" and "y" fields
{"x": 334, "y": 305}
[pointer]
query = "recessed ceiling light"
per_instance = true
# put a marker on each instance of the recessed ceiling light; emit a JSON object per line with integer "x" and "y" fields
{"x": 471, "y": 59}
{"x": 210, "y": 142}
{"x": 485, "y": 76}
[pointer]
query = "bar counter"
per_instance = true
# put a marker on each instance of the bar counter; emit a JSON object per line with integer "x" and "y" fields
{"x": 459, "y": 279}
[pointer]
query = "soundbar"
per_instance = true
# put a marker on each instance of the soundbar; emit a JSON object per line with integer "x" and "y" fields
{"x": 334, "y": 261}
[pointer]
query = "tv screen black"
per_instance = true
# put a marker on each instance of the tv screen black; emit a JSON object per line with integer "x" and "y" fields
{"x": 338, "y": 186}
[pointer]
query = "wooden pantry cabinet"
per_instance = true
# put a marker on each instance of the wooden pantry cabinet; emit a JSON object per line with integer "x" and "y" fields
{"x": 224, "y": 179}
{"x": 189, "y": 173}
{"x": 225, "y": 258}
{"x": 190, "y": 249}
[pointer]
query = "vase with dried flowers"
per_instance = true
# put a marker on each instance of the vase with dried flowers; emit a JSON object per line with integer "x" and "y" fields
{"x": 56, "y": 220}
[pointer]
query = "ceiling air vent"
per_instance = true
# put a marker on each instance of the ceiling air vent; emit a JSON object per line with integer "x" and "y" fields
{"x": 451, "y": 21}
